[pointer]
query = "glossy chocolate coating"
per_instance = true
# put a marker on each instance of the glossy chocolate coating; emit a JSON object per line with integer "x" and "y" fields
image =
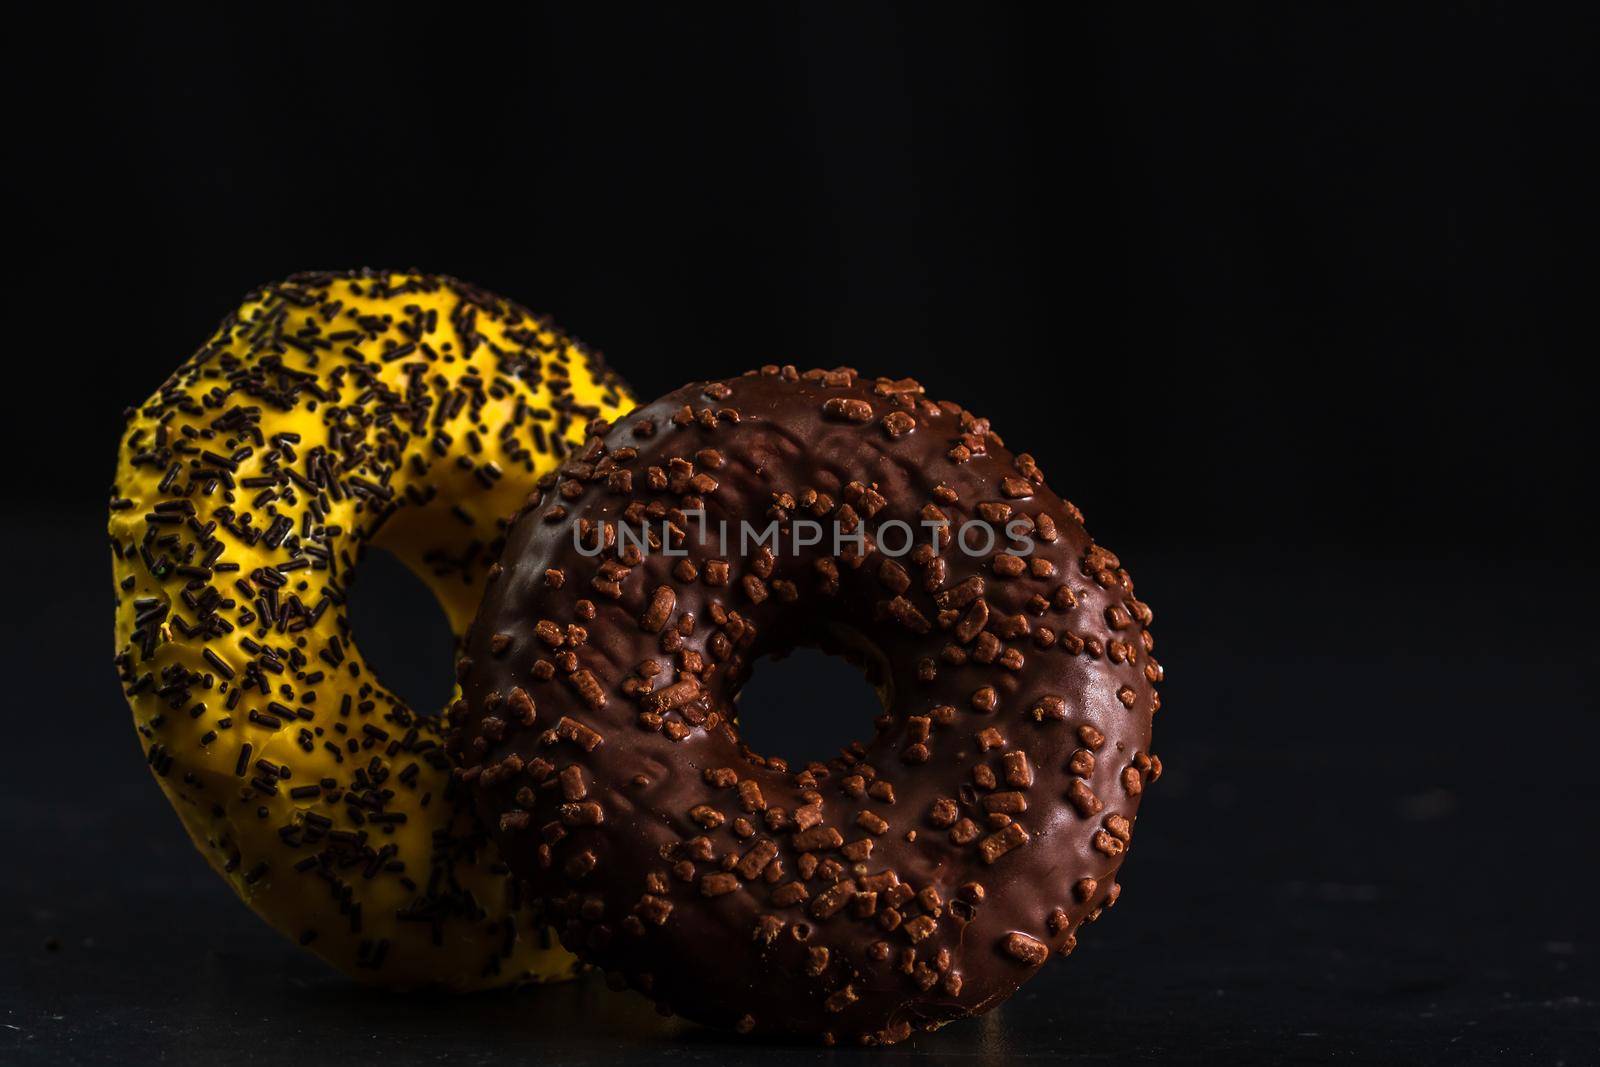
{"x": 924, "y": 874}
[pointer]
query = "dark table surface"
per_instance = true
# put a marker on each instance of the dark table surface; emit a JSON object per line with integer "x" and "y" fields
{"x": 1374, "y": 842}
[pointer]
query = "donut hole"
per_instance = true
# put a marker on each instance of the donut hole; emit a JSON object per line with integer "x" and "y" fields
{"x": 402, "y": 632}
{"x": 805, "y": 706}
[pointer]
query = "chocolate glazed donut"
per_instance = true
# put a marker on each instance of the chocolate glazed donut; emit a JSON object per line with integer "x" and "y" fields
{"x": 917, "y": 878}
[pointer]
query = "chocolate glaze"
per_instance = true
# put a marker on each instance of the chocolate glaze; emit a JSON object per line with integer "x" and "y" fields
{"x": 922, "y": 875}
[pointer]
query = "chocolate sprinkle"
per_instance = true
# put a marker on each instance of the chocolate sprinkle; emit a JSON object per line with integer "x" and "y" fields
{"x": 327, "y": 413}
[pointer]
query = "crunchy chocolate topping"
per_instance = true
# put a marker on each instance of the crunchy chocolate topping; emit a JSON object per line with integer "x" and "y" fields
{"x": 922, "y": 874}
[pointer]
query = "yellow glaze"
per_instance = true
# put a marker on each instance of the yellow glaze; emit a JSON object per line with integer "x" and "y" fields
{"x": 329, "y": 412}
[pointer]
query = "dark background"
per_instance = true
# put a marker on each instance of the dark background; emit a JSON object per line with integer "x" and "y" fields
{"x": 1296, "y": 302}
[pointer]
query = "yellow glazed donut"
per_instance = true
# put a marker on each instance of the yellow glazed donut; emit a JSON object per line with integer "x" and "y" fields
{"x": 330, "y": 412}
